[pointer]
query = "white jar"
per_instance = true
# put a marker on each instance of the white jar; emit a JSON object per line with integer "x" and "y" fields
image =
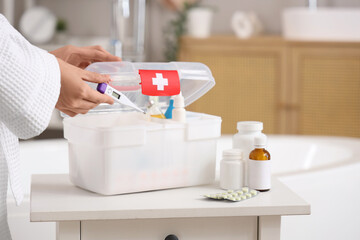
{"x": 232, "y": 170}
{"x": 244, "y": 140}
{"x": 199, "y": 21}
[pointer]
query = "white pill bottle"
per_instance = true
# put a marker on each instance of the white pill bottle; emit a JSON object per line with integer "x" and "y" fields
{"x": 244, "y": 140}
{"x": 232, "y": 170}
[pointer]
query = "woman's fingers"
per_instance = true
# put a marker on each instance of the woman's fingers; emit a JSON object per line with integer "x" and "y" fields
{"x": 83, "y": 56}
{"x": 95, "y": 77}
{"x": 75, "y": 95}
{"x": 97, "y": 54}
{"x": 97, "y": 98}
{"x": 93, "y": 95}
{"x": 84, "y": 64}
{"x": 85, "y": 104}
{"x": 100, "y": 48}
{"x": 82, "y": 106}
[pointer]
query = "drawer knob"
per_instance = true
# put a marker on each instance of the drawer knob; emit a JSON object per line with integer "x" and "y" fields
{"x": 171, "y": 237}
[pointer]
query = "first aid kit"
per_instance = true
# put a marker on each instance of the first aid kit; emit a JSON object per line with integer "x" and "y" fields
{"x": 115, "y": 149}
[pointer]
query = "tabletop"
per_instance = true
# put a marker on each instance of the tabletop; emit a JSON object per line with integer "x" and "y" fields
{"x": 54, "y": 198}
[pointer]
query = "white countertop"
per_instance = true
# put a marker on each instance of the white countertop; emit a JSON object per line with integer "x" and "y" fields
{"x": 54, "y": 198}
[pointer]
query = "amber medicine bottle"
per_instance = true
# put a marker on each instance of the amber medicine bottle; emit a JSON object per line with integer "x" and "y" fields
{"x": 260, "y": 165}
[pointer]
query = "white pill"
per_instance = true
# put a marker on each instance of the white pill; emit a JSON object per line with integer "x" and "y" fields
{"x": 248, "y": 195}
{"x": 245, "y": 189}
{"x": 243, "y": 197}
{"x": 253, "y": 192}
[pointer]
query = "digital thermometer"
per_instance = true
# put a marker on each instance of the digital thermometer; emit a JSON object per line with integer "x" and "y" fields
{"x": 116, "y": 95}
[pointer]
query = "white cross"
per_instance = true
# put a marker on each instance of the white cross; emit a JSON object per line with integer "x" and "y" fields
{"x": 160, "y": 81}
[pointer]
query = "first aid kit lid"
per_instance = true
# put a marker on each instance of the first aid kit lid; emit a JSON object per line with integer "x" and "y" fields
{"x": 139, "y": 80}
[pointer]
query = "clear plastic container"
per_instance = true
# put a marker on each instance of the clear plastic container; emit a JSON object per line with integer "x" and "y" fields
{"x": 114, "y": 150}
{"x": 195, "y": 80}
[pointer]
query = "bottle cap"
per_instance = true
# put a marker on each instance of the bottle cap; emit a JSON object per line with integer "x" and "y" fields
{"x": 260, "y": 141}
{"x": 179, "y": 101}
{"x": 233, "y": 153}
{"x": 250, "y": 126}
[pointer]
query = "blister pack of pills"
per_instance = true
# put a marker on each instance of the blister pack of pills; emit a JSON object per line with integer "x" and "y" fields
{"x": 234, "y": 195}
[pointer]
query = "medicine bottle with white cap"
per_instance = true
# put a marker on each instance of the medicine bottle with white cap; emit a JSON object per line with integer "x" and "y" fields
{"x": 260, "y": 165}
{"x": 244, "y": 140}
{"x": 232, "y": 170}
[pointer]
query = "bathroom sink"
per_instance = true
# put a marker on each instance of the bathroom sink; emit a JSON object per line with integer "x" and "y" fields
{"x": 321, "y": 24}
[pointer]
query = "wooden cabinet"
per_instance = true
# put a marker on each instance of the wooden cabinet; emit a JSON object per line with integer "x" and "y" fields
{"x": 326, "y": 89}
{"x": 293, "y": 87}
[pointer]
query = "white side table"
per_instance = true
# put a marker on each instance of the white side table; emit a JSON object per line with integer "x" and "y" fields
{"x": 183, "y": 212}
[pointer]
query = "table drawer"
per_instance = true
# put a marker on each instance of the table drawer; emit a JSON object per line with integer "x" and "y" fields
{"x": 229, "y": 228}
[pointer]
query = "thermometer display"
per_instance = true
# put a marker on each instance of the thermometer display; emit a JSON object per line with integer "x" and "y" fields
{"x": 116, "y": 95}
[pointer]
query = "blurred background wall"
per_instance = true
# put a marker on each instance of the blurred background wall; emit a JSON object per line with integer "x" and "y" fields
{"x": 92, "y": 17}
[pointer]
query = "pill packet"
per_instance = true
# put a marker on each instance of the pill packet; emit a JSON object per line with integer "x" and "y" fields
{"x": 234, "y": 195}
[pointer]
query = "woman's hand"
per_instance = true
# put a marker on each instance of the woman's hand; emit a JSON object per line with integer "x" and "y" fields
{"x": 83, "y": 56}
{"x": 75, "y": 95}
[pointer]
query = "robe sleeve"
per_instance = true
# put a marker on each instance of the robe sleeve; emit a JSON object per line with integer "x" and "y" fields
{"x": 29, "y": 83}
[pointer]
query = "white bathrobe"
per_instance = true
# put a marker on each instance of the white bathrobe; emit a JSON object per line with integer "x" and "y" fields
{"x": 29, "y": 89}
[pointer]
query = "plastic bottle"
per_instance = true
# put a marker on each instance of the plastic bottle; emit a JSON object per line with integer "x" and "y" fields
{"x": 168, "y": 113}
{"x": 179, "y": 113}
{"x": 232, "y": 170}
{"x": 260, "y": 165}
{"x": 244, "y": 140}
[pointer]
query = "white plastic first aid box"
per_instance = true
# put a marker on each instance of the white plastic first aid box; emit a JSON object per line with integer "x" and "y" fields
{"x": 115, "y": 150}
